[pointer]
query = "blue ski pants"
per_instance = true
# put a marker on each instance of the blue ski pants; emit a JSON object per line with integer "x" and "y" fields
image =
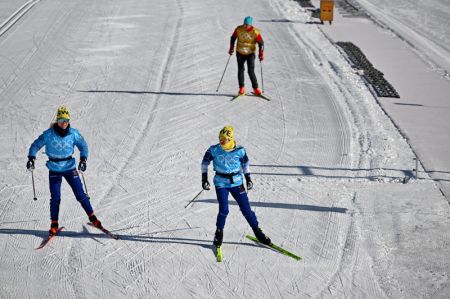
{"x": 240, "y": 195}
{"x": 73, "y": 179}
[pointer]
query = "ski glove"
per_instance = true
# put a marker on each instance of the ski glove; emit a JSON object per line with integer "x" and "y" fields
{"x": 231, "y": 50}
{"x": 82, "y": 165}
{"x": 249, "y": 181}
{"x": 261, "y": 55}
{"x": 30, "y": 163}
{"x": 205, "y": 183}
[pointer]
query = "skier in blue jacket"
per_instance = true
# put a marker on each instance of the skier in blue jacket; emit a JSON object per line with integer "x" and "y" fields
{"x": 231, "y": 164}
{"x": 59, "y": 141}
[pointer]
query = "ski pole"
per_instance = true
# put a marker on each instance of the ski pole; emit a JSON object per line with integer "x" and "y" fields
{"x": 84, "y": 182}
{"x": 34, "y": 189}
{"x": 223, "y": 73}
{"x": 192, "y": 200}
{"x": 262, "y": 78}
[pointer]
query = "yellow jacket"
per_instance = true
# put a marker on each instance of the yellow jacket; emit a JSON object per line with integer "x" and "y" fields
{"x": 247, "y": 39}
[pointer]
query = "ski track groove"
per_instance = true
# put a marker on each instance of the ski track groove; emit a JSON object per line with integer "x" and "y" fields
{"x": 20, "y": 66}
{"x": 283, "y": 139}
{"x": 162, "y": 78}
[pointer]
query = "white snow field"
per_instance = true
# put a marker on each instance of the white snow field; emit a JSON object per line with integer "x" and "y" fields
{"x": 424, "y": 24}
{"x": 413, "y": 52}
{"x": 331, "y": 171}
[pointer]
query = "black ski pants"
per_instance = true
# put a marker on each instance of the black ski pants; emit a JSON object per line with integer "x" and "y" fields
{"x": 250, "y": 59}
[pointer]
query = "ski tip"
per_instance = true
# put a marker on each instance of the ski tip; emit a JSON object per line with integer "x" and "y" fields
{"x": 49, "y": 237}
{"x": 277, "y": 248}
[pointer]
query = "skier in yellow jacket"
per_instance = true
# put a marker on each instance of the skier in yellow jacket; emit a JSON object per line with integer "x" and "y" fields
{"x": 247, "y": 37}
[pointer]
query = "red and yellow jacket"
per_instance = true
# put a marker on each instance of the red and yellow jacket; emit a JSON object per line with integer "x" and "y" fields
{"x": 246, "y": 40}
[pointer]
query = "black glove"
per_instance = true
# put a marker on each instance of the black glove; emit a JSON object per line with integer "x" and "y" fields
{"x": 30, "y": 163}
{"x": 205, "y": 183}
{"x": 82, "y": 165}
{"x": 249, "y": 181}
{"x": 231, "y": 50}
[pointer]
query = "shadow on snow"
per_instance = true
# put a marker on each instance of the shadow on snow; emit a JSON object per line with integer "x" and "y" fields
{"x": 122, "y": 237}
{"x": 171, "y": 93}
{"x": 313, "y": 171}
{"x": 288, "y": 206}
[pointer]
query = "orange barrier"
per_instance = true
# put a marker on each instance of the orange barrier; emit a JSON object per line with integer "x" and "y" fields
{"x": 326, "y": 10}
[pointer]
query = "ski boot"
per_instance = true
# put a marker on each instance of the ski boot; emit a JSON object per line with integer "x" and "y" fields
{"x": 218, "y": 238}
{"x": 261, "y": 236}
{"x": 53, "y": 228}
{"x": 241, "y": 91}
{"x": 93, "y": 219}
{"x": 257, "y": 91}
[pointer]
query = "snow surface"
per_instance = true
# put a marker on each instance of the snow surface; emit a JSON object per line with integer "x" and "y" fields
{"x": 422, "y": 112}
{"x": 329, "y": 166}
{"x": 424, "y": 24}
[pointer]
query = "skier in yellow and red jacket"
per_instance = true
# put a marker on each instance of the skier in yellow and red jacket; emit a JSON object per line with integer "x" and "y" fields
{"x": 247, "y": 37}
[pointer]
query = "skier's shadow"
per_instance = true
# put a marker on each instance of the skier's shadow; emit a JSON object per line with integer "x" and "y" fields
{"x": 339, "y": 173}
{"x": 327, "y": 172}
{"x": 207, "y": 244}
{"x": 170, "y": 93}
{"x": 279, "y": 205}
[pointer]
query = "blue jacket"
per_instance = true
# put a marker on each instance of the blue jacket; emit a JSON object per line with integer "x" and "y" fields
{"x": 235, "y": 161}
{"x": 58, "y": 147}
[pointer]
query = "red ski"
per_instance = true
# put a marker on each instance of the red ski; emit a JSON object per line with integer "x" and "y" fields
{"x": 115, "y": 237}
{"x": 45, "y": 241}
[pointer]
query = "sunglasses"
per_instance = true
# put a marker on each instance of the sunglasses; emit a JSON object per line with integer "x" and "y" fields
{"x": 63, "y": 120}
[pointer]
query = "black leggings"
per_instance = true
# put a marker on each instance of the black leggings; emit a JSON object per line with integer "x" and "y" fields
{"x": 241, "y": 59}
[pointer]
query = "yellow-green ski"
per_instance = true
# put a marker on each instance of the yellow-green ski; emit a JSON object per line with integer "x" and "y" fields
{"x": 277, "y": 248}
{"x": 219, "y": 254}
{"x": 237, "y": 96}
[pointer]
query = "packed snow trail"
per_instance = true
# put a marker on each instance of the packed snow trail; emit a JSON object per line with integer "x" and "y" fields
{"x": 140, "y": 81}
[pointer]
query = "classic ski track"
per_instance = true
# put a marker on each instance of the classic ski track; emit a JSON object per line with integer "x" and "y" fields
{"x": 347, "y": 260}
{"x": 162, "y": 79}
{"x": 342, "y": 147}
{"x": 283, "y": 139}
{"x": 36, "y": 49}
{"x": 281, "y": 100}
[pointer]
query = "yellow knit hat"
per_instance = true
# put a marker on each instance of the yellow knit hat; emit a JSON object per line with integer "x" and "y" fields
{"x": 227, "y": 133}
{"x": 63, "y": 113}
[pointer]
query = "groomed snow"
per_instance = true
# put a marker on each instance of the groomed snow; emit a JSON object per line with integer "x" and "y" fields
{"x": 139, "y": 77}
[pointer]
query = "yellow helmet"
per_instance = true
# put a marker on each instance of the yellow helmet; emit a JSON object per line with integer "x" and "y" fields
{"x": 63, "y": 113}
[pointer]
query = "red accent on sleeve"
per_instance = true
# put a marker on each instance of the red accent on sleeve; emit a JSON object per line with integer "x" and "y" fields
{"x": 259, "y": 38}
{"x": 235, "y": 34}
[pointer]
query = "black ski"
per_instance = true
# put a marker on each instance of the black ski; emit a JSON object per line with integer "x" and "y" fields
{"x": 115, "y": 237}
{"x": 237, "y": 97}
{"x": 262, "y": 96}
